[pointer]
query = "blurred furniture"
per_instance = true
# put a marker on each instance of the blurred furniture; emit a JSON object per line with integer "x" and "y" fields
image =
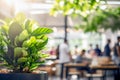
{"x": 105, "y": 64}
{"x": 49, "y": 67}
{"x": 101, "y": 63}
{"x": 94, "y": 75}
{"x": 69, "y": 66}
{"x": 106, "y": 67}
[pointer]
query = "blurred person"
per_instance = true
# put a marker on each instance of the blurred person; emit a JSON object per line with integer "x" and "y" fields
{"x": 57, "y": 52}
{"x": 64, "y": 56}
{"x": 117, "y": 51}
{"x": 81, "y": 56}
{"x": 75, "y": 52}
{"x": 90, "y": 48}
{"x": 82, "y": 59}
{"x": 92, "y": 54}
{"x": 107, "y": 49}
{"x": 52, "y": 51}
{"x": 97, "y": 50}
{"x": 117, "y": 56}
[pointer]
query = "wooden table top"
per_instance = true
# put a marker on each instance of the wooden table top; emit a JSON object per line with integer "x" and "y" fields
{"x": 108, "y": 63}
{"x": 105, "y": 66}
{"x": 75, "y": 64}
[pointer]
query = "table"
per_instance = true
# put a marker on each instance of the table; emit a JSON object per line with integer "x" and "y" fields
{"x": 49, "y": 66}
{"x": 72, "y": 65}
{"x": 106, "y": 67}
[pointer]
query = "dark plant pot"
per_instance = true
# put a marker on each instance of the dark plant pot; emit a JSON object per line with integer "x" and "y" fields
{"x": 24, "y": 76}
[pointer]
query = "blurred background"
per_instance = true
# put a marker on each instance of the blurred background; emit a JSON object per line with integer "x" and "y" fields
{"x": 81, "y": 29}
{"x": 40, "y": 10}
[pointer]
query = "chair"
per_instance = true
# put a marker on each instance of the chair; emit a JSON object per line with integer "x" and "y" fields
{"x": 90, "y": 76}
{"x": 74, "y": 72}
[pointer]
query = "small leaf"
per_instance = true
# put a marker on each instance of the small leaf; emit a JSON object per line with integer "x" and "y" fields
{"x": 29, "y": 42}
{"x": 18, "y": 52}
{"x": 34, "y": 66}
{"x": 41, "y": 31}
{"x": 23, "y": 35}
{"x": 25, "y": 44}
{"x": 21, "y": 60}
{"x": 40, "y": 44}
{"x": 24, "y": 53}
{"x": 17, "y": 42}
{"x": 28, "y": 25}
{"x": 5, "y": 29}
{"x": 14, "y": 30}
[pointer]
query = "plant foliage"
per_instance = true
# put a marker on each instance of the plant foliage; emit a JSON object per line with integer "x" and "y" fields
{"x": 21, "y": 43}
{"x": 73, "y": 7}
{"x": 102, "y": 19}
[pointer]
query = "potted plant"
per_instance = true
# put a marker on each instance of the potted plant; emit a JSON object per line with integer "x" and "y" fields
{"x": 21, "y": 43}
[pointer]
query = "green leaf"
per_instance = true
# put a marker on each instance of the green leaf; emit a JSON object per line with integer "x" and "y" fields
{"x": 23, "y": 35}
{"x": 34, "y": 66}
{"x": 14, "y": 30}
{"x": 29, "y": 42}
{"x": 25, "y": 53}
{"x": 28, "y": 25}
{"x": 18, "y": 52}
{"x": 25, "y": 44}
{"x": 5, "y": 29}
{"x": 22, "y": 60}
{"x": 16, "y": 41}
{"x": 43, "y": 55}
{"x": 40, "y": 44}
{"x": 41, "y": 31}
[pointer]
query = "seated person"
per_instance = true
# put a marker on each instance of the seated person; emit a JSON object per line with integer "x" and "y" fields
{"x": 82, "y": 59}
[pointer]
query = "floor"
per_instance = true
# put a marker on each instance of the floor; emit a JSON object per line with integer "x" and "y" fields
{"x": 75, "y": 78}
